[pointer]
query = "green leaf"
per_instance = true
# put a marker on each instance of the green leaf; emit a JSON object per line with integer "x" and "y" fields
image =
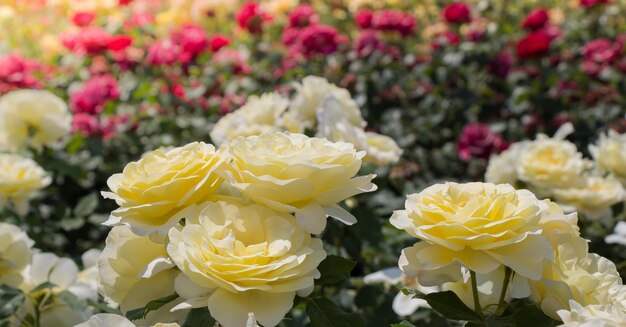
{"x": 72, "y": 300}
{"x": 526, "y": 315}
{"x": 141, "y": 313}
{"x": 103, "y": 308}
{"x": 403, "y": 323}
{"x": 71, "y": 223}
{"x": 450, "y": 306}
{"x": 42, "y": 286}
{"x": 334, "y": 269}
{"x": 86, "y": 205}
{"x": 325, "y": 313}
{"x": 10, "y": 300}
{"x": 199, "y": 317}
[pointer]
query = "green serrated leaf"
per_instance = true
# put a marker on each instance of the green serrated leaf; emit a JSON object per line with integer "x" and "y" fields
{"x": 334, "y": 269}
{"x": 141, "y": 313}
{"x": 450, "y": 306}
{"x": 86, "y": 205}
{"x": 325, "y": 313}
{"x": 199, "y": 317}
{"x": 10, "y": 300}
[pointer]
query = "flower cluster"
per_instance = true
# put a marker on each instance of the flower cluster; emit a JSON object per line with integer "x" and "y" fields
{"x": 554, "y": 168}
{"x": 228, "y": 229}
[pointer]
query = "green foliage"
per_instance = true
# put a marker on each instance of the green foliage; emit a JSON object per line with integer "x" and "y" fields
{"x": 334, "y": 269}
{"x": 324, "y": 313}
{"x": 140, "y": 313}
{"x": 199, "y": 317}
{"x": 10, "y": 300}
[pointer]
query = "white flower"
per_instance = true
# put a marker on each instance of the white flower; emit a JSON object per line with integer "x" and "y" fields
{"x": 592, "y": 315}
{"x": 502, "y": 168}
{"x": 113, "y": 320}
{"x": 33, "y": 117}
{"x": 619, "y": 234}
{"x": 15, "y": 254}
{"x": 259, "y": 115}
{"x": 610, "y": 154}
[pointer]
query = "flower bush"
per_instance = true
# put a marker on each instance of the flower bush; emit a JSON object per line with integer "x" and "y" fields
{"x": 202, "y": 145}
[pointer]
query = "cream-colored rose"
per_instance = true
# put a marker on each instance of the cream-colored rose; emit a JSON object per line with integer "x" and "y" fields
{"x": 610, "y": 154}
{"x": 619, "y": 234}
{"x": 242, "y": 260}
{"x": 502, "y": 168}
{"x": 480, "y": 226}
{"x": 259, "y": 115}
{"x": 381, "y": 149}
{"x": 15, "y": 254}
{"x": 592, "y": 315}
{"x": 302, "y": 113}
{"x": 594, "y": 196}
{"x": 135, "y": 270}
{"x": 33, "y": 117}
{"x": 333, "y": 124}
{"x": 550, "y": 162}
{"x": 113, "y": 320}
{"x": 20, "y": 180}
{"x": 151, "y": 191}
{"x": 297, "y": 174}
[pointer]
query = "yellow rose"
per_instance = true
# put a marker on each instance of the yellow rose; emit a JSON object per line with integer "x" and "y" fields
{"x": 297, "y": 174}
{"x": 310, "y": 95}
{"x": 549, "y": 162}
{"x": 381, "y": 149}
{"x": 259, "y": 115}
{"x": 502, "y": 168}
{"x": 20, "y": 180}
{"x": 151, "y": 191}
{"x": 610, "y": 154}
{"x": 33, "y": 117}
{"x": 592, "y": 315}
{"x": 135, "y": 270}
{"x": 15, "y": 254}
{"x": 242, "y": 260}
{"x": 594, "y": 197}
{"x": 478, "y": 225}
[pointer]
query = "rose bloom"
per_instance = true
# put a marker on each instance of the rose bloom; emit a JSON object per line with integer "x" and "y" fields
{"x": 251, "y": 17}
{"x": 83, "y": 18}
{"x": 89, "y": 40}
{"x": 243, "y": 261}
{"x": 481, "y": 226}
{"x": 550, "y": 162}
{"x": 20, "y": 180}
{"x": 110, "y": 319}
{"x": 34, "y": 118}
{"x": 192, "y": 39}
{"x": 310, "y": 94}
{"x": 536, "y": 20}
{"x": 303, "y": 16}
{"x": 85, "y": 124}
{"x": 367, "y": 43}
{"x": 534, "y": 45}
{"x": 151, "y": 191}
{"x": 17, "y": 73}
{"x": 502, "y": 168}
{"x": 394, "y": 21}
{"x": 445, "y": 38}
{"x": 363, "y": 18}
{"x": 594, "y": 196}
{"x": 135, "y": 270}
{"x": 259, "y": 115}
{"x": 319, "y": 39}
{"x": 457, "y": 12}
{"x": 592, "y": 3}
{"x": 478, "y": 140}
{"x": 601, "y": 51}
{"x": 15, "y": 254}
{"x": 619, "y": 234}
{"x": 297, "y": 174}
{"x": 119, "y": 42}
{"x": 218, "y": 41}
{"x": 165, "y": 53}
{"x": 94, "y": 94}
{"x": 381, "y": 149}
{"x": 500, "y": 65}
{"x": 592, "y": 315}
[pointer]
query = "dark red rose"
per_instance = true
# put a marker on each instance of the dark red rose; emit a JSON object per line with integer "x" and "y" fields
{"x": 457, "y": 13}
{"x": 251, "y": 18}
{"x": 477, "y": 140}
{"x": 601, "y": 51}
{"x": 534, "y": 45}
{"x": 367, "y": 42}
{"x": 500, "y": 65}
{"x": 364, "y": 18}
{"x": 124, "y": 2}
{"x": 319, "y": 39}
{"x": 591, "y": 3}
{"x": 83, "y": 18}
{"x": 218, "y": 41}
{"x": 303, "y": 16}
{"x": 394, "y": 21}
{"x": 536, "y": 20}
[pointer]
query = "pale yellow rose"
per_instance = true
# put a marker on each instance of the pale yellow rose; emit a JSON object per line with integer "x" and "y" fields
{"x": 594, "y": 196}
{"x": 34, "y": 118}
{"x": 297, "y": 174}
{"x": 333, "y": 124}
{"x": 113, "y": 320}
{"x": 259, "y": 115}
{"x": 135, "y": 270}
{"x": 381, "y": 149}
{"x": 20, "y": 180}
{"x": 242, "y": 260}
{"x": 151, "y": 191}
{"x": 15, "y": 254}
{"x": 610, "y": 154}
{"x": 592, "y": 315}
{"x": 502, "y": 168}
{"x": 480, "y": 226}
{"x": 550, "y": 162}
{"x": 311, "y": 93}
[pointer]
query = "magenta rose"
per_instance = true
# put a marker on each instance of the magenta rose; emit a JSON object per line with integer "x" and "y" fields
{"x": 303, "y": 16}
{"x": 457, "y": 13}
{"x": 536, "y": 20}
{"x": 534, "y": 45}
{"x": 477, "y": 140}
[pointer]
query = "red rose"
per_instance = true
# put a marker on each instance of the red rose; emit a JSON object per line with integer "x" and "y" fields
{"x": 534, "y": 45}
{"x": 536, "y": 20}
{"x": 500, "y": 66}
{"x": 303, "y": 16}
{"x": 477, "y": 140}
{"x": 93, "y": 95}
{"x": 394, "y": 20}
{"x": 83, "y": 18}
{"x": 124, "y": 2}
{"x": 364, "y": 18}
{"x": 251, "y": 17}
{"x": 457, "y": 13}
{"x": 367, "y": 42}
{"x": 89, "y": 40}
{"x": 18, "y": 73}
{"x": 192, "y": 40}
{"x": 319, "y": 39}
{"x": 445, "y": 38}
{"x": 85, "y": 124}
{"x": 591, "y": 3}
{"x": 601, "y": 51}
{"x": 218, "y": 41}
{"x": 120, "y": 42}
